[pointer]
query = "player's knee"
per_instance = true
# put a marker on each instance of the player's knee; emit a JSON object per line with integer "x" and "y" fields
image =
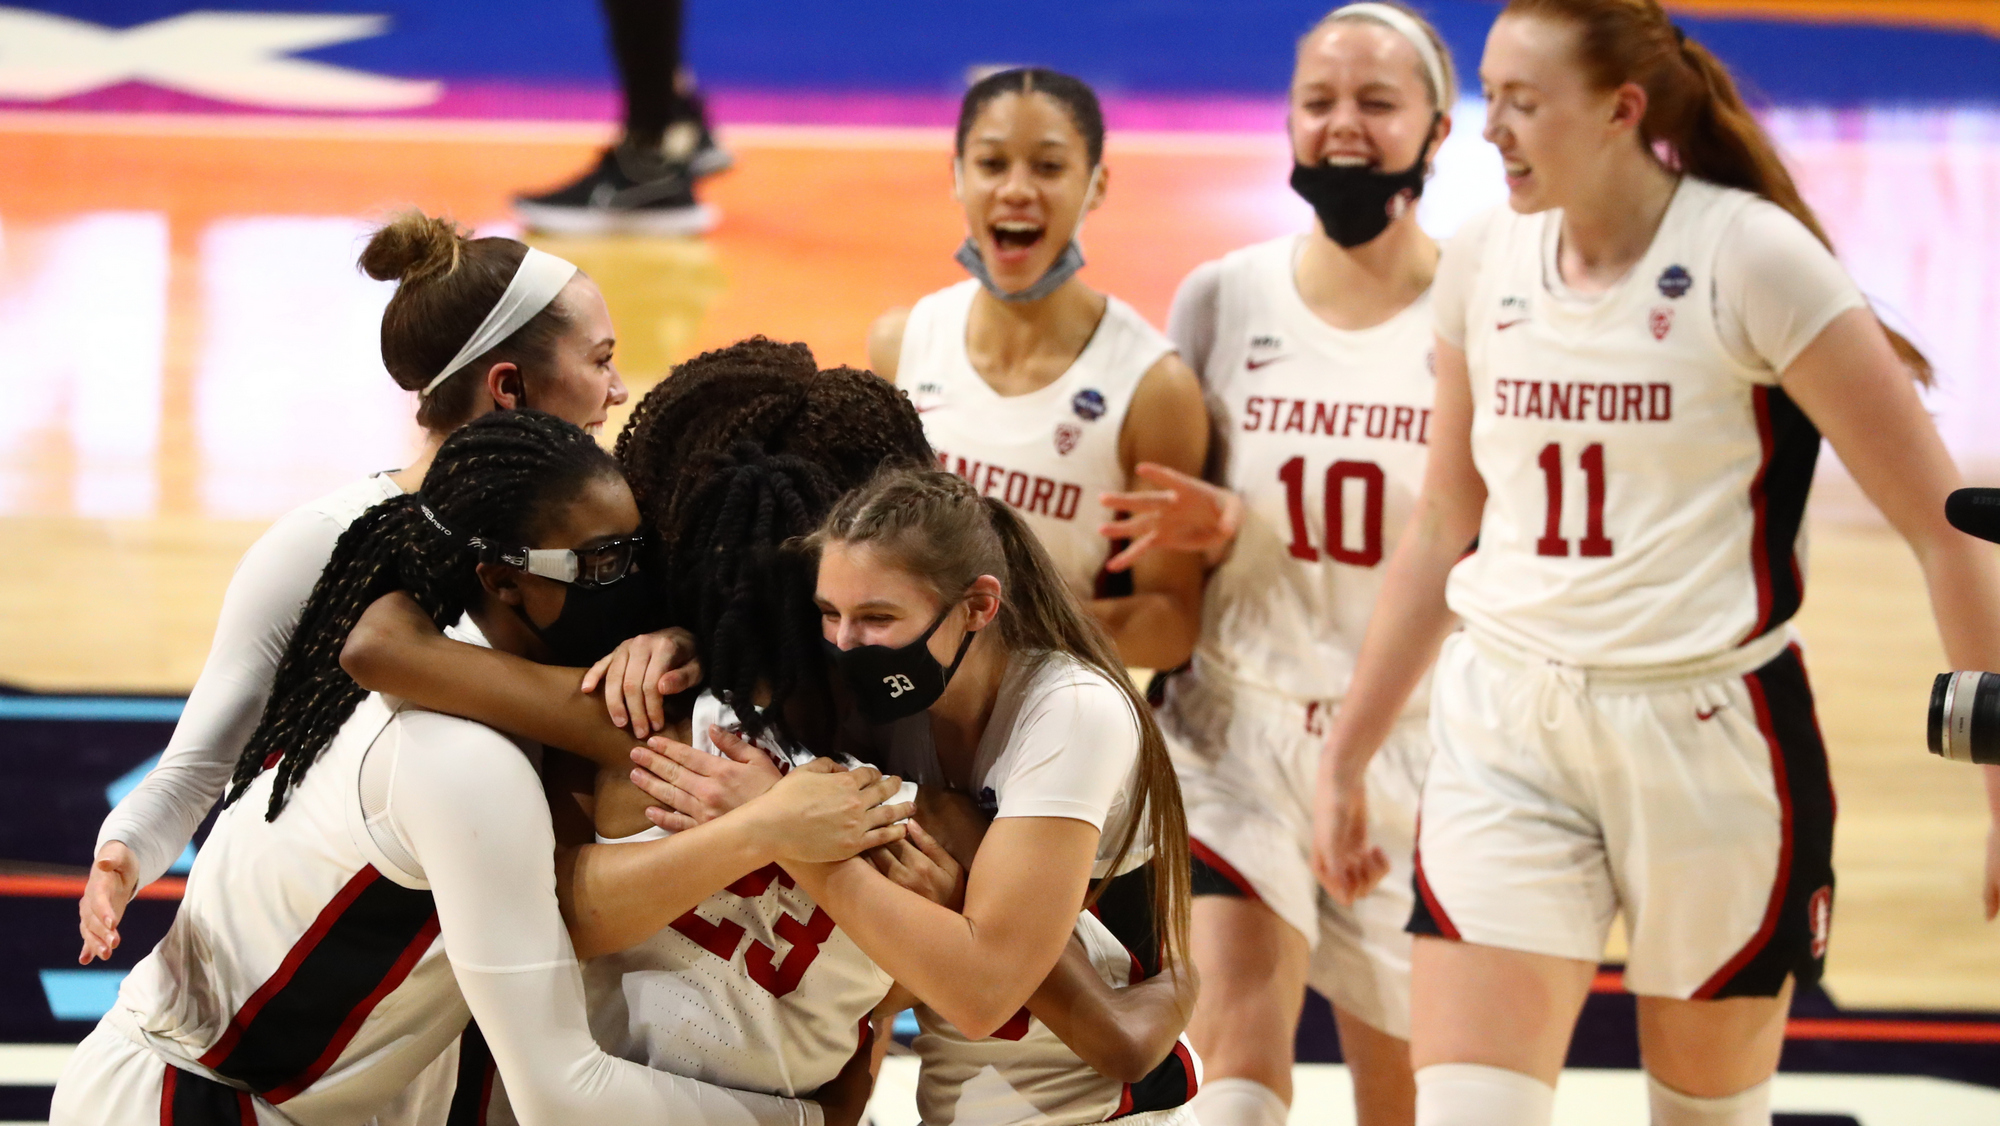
{"x": 1750, "y": 1107}
{"x": 1470, "y": 1094}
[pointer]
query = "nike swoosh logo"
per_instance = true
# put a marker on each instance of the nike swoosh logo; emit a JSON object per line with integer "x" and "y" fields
{"x": 1503, "y": 326}
{"x": 1706, "y": 714}
{"x": 1253, "y": 365}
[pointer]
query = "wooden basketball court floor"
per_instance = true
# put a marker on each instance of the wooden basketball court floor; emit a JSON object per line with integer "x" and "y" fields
{"x": 187, "y": 351}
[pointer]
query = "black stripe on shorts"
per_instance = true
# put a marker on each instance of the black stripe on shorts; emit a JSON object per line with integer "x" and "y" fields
{"x": 1791, "y": 941}
{"x": 474, "y": 1089}
{"x": 188, "y": 1099}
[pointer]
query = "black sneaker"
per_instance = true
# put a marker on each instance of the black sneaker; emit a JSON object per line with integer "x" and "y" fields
{"x": 629, "y": 192}
{"x": 702, "y": 155}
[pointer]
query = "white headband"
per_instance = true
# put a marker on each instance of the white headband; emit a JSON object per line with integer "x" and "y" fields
{"x": 540, "y": 277}
{"x": 1400, "y": 22}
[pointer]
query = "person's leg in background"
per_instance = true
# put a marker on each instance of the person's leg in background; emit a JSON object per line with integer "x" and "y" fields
{"x": 644, "y": 184}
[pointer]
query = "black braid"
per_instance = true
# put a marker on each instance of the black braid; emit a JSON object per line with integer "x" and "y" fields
{"x": 748, "y": 597}
{"x": 739, "y": 451}
{"x": 493, "y": 478}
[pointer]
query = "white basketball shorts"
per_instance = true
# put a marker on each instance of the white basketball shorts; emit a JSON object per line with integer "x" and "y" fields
{"x": 1247, "y": 761}
{"x": 110, "y": 1080}
{"x": 1695, "y": 800}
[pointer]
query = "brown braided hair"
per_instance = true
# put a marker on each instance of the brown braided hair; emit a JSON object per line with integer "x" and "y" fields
{"x": 495, "y": 478}
{"x": 1694, "y": 112}
{"x": 933, "y": 524}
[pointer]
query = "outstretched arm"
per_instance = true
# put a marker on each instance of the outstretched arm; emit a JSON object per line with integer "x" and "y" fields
{"x": 1409, "y": 624}
{"x": 151, "y": 826}
{"x": 395, "y": 649}
{"x": 1853, "y": 388}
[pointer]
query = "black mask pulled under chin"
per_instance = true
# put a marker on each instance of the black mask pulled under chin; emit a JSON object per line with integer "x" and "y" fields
{"x": 594, "y": 619}
{"x": 1355, "y": 204}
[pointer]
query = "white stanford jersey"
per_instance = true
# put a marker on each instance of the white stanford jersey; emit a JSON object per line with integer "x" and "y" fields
{"x": 1049, "y": 453}
{"x": 1327, "y": 434}
{"x": 755, "y": 989}
{"x": 1024, "y": 1073}
{"x": 1645, "y": 488}
{"x": 303, "y": 964}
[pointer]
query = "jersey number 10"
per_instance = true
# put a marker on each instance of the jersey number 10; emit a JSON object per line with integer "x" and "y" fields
{"x": 1593, "y": 545}
{"x": 1293, "y": 474}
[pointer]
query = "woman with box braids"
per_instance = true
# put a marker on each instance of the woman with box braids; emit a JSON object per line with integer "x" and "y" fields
{"x": 492, "y": 480}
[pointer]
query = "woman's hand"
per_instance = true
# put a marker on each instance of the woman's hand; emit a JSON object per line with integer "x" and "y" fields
{"x": 114, "y": 879}
{"x": 1993, "y": 871}
{"x": 694, "y": 786}
{"x": 823, "y": 813}
{"x": 921, "y": 864}
{"x": 1182, "y": 513}
{"x": 640, "y": 674}
{"x": 1347, "y": 866}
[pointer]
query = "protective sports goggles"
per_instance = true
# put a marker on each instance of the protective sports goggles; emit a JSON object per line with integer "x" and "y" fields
{"x": 601, "y": 565}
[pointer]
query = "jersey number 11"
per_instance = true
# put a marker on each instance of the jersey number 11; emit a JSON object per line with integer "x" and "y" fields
{"x": 1593, "y": 545}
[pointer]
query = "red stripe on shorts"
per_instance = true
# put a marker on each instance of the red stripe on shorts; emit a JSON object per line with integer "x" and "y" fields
{"x": 1223, "y": 868}
{"x": 1779, "y": 882}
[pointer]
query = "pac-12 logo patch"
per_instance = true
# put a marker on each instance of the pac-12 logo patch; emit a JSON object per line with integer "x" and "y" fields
{"x": 1819, "y": 916}
{"x": 1088, "y": 404}
{"x": 1068, "y": 434}
{"x": 1675, "y": 281}
{"x": 1661, "y": 322}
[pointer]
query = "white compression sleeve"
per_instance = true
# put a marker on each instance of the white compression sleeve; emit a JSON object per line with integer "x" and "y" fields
{"x": 1744, "y": 1108}
{"x": 1196, "y": 315}
{"x": 1470, "y": 1094}
{"x": 1238, "y": 1102}
{"x": 260, "y": 610}
{"x": 469, "y": 806}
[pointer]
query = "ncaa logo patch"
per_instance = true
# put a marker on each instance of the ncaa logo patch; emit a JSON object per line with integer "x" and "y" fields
{"x": 1068, "y": 434}
{"x": 1819, "y": 917}
{"x": 1088, "y": 404}
{"x": 1675, "y": 281}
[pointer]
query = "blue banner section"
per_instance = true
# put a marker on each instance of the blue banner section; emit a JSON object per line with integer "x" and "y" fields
{"x": 81, "y": 994}
{"x": 63, "y": 761}
{"x": 1129, "y": 46}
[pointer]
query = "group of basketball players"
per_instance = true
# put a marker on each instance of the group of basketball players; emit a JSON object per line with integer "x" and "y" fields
{"x": 1474, "y": 566}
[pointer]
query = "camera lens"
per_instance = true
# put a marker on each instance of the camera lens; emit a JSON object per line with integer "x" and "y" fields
{"x": 1964, "y": 723}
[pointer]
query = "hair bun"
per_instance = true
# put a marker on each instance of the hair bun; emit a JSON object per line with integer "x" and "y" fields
{"x": 413, "y": 246}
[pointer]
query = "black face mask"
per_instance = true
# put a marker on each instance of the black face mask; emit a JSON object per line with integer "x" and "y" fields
{"x": 1353, "y": 202}
{"x": 895, "y": 683}
{"x": 594, "y": 619}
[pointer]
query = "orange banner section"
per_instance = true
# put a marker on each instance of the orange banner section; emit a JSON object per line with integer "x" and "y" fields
{"x": 1980, "y": 15}
{"x": 71, "y": 887}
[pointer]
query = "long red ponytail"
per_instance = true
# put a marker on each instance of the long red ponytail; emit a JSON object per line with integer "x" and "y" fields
{"x": 1695, "y": 118}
